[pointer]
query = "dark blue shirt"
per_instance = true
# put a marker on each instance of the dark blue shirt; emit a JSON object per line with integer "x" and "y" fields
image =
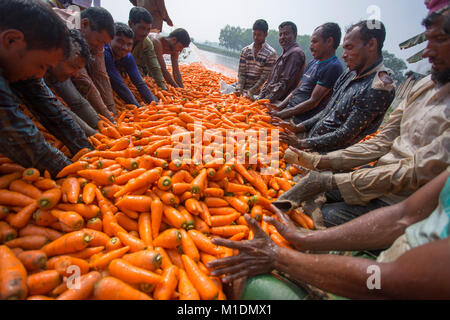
{"x": 22, "y": 142}
{"x": 356, "y": 109}
{"x": 128, "y": 65}
{"x": 323, "y": 73}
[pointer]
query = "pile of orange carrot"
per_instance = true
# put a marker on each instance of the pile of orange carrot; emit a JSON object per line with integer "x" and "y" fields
{"x": 129, "y": 221}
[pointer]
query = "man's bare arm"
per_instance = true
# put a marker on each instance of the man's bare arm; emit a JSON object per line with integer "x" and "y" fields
{"x": 162, "y": 63}
{"x": 176, "y": 70}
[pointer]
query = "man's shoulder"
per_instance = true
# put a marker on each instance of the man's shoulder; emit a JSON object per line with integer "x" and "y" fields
{"x": 270, "y": 49}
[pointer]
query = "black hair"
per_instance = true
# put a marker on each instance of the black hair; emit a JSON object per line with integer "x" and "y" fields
{"x": 41, "y": 27}
{"x": 291, "y": 24}
{"x": 138, "y": 14}
{"x": 434, "y": 17}
{"x": 369, "y": 30}
{"x": 331, "y": 30}
{"x": 123, "y": 29}
{"x": 182, "y": 37}
{"x": 100, "y": 19}
{"x": 77, "y": 38}
{"x": 261, "y": 25}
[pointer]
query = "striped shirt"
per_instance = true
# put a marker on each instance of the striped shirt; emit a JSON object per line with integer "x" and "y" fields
{"x": 254, "y": 71}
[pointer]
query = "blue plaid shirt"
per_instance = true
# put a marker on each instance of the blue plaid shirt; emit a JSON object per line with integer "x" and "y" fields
{"x": 21, "y": 141}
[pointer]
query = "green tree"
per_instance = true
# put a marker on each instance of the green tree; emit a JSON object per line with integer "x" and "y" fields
{"x": 397, "y": 65}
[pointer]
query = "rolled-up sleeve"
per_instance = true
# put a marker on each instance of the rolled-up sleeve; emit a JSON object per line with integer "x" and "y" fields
{"x": 405, "y": 176}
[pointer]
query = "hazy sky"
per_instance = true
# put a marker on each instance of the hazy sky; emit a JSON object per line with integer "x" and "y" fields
{"x": 204, "y": 18}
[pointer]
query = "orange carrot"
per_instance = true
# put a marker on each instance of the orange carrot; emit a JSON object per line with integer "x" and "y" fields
{"x": 68, "y": 243}
{"x": 28, "y": 242}
{"x": 145, "y": 259}
{"x": 199, "y": 184}
{"x": 21, "y": 219}
{"x": 127, "y": 223}
{"x": 49, "y": 199}
{"x": 215, "y": 202}
{"x": 86, "y": 287}
{"x": 89, "y": 193}
{"x": 135, "y": 244}
{"x": 13, "y": 285}
{"x": 131, "y": 274}
{"x": 136, "y": 203}
{"x": 186, "y": 288}
{"x": 203, "y": 243}
{"x": 166, "y": 288}
{"x": 45, "y": 184}
{"x": 86, "y": 253}
{"x": 201, "y": 226}
{"x": 44, "y": 218}
{"x": 43, "y": 282}
{"x": 229, "y": 231}
{"x": 69, "y": 218}
{"x": 188, "y": 246}
{"x": 145, "y": 229}
{"x": 204, "y": 285}
{"x": 14, "y": 199}
{"x": 143, "y": 180}
{"x": 111, "y": 288}
{"x": 157, "y": 208}
{"x": 6, "y": 180}
{"x": 95, "y": 224}
{"x": 33, "y": 260}
{"x": 168, "y": 239}
{"x": 165, "y": 261}
{"x": 86, "y": 211}
{"x": 102, "y": 177}
{"x": 224, "y": 220}
{"x": 101, "y": 261}
{"x": 73, "y": 168}
{"x": 25, "y": 188}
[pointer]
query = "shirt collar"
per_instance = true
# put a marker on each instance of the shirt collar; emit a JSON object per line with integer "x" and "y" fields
{"x": 372, "y": 68}
{"x": 319, "y": 62}
{"x": 290, "y": 47}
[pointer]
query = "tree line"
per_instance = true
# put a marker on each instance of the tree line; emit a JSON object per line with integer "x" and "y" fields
{"x": 236, "y": 38}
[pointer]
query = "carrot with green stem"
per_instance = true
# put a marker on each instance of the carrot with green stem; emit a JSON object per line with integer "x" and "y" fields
{"x": 168, "y": 239}
{"x": 199, "y": 184}
{"x": 102, "y": 177}
{"x": 68, "y": 243}
{"x": 145, "y": 259}
{"x": 13, "y": 284}
{"x": 43, "y": 218}
{"x": 174, "y": 217}
{"x": 143, "y": 180}
{"x": 31, "y": 175}
{"x": 49, "y": 199}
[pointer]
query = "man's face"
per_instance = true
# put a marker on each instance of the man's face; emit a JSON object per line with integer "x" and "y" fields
{"x": 20, "y": 63}
{"x": 286, "y": 36}
{"x": 259, "y": 37}
{"x": 437, "y": 51}
{"x": 355, "y": 52}
{"x": 318, "y": 46}
{"x": 67, "y": 68}
{"x": 175, "y": 46}
{"x": 141, "y": 30}
{"x": 95, "y": 39}
{"x": 121, "y": 46}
